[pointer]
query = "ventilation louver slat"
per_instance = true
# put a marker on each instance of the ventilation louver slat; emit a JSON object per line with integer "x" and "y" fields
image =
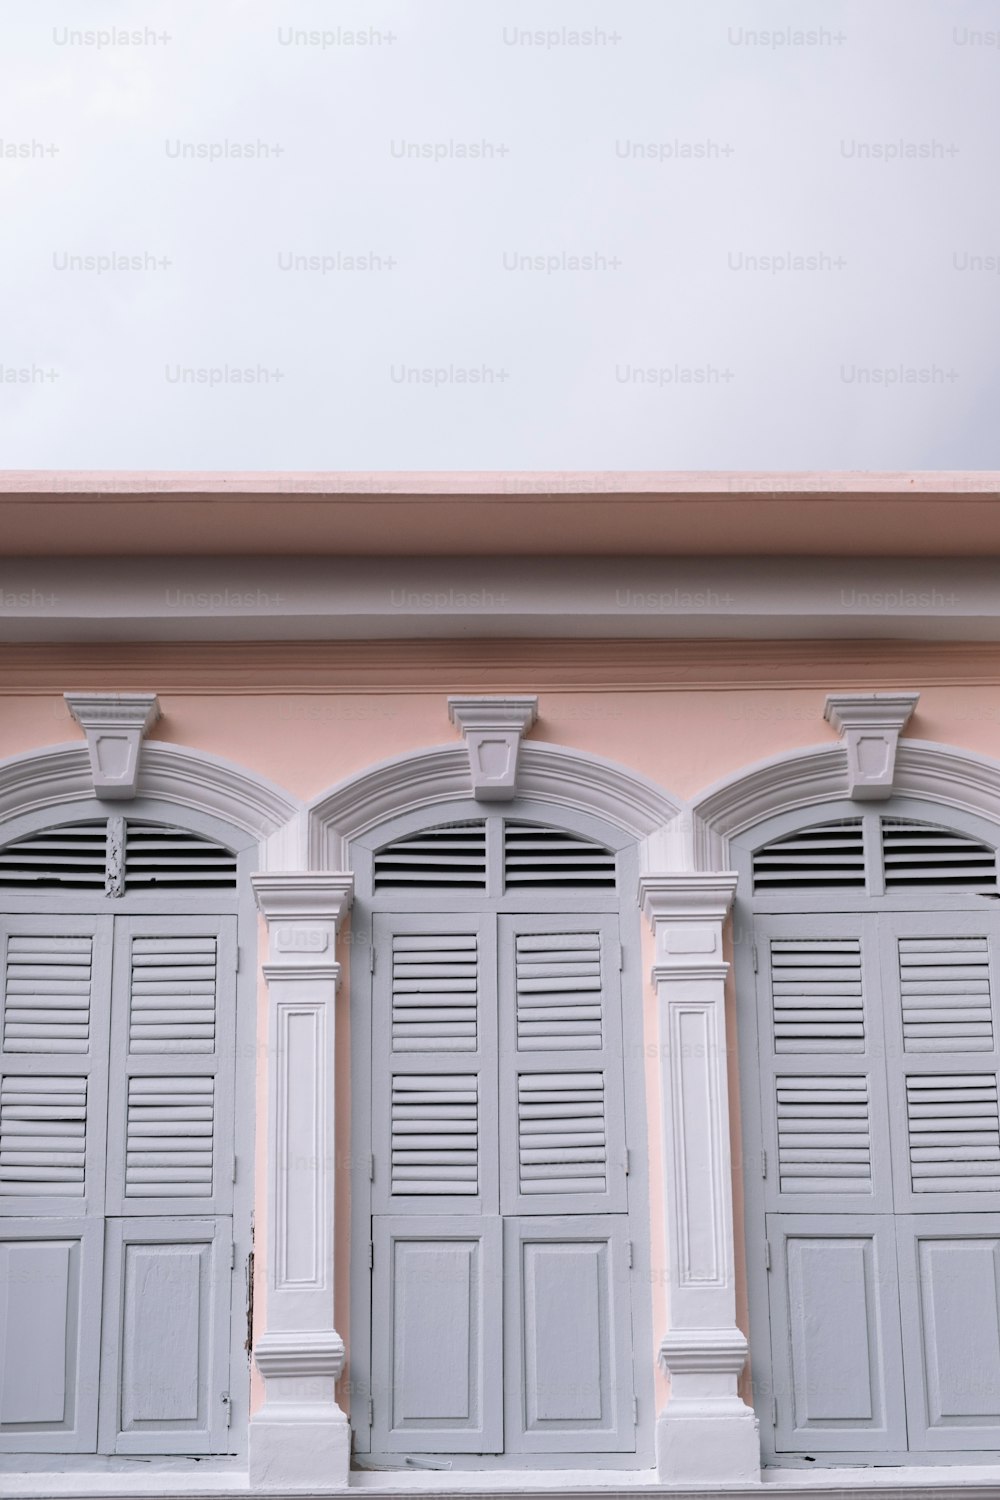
{"x": 47, "y": 987}
{"x": 170, "y": 1127}
{"x": 549, "y": 857}
{"x": 562, "y": 1142}
{"x": 830, "y": 855}
{"x": 452, "y": 857}
{"x": 824, "y": 1134}
{"x": 173, "y": 994}
{"x": 435, "y": 1134}
{"x": 918, "y": 855}
{"x": 159, "y": 856}
{"x": 954, "y": 1132}
{"x": 70, "y": 856}
{"x": 43, "y": 1136}
{"x": 945, "y": 992}
{"x": 435, "y": 981}
{"x": 559, "y": 991}
{"x": 816, "y": 995}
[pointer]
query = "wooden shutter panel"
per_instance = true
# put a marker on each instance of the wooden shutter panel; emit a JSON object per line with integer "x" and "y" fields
{"x": 165, "y": 1340}
{"x": 437, "y": 1335}
{"x": 561, "y": 1078}
{"x": 567, "y": 1335}
{"x": 835, "y": 1334}
{"x": 823, "y": 1090}
{"x": 949, "y": 1278}
{"x": 940, "y": 980}
{"x": 171, "y": 1145}
{"x": 53, "y": 1064}
{"x": 434, "y": 1065}
{"x": 50, "y": 1318}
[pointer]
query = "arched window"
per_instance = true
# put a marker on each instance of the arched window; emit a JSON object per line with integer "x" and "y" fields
{"x": 120, "y": 1225}
{"x": 499, "y": 1308}
{"x": 867, "y": 951}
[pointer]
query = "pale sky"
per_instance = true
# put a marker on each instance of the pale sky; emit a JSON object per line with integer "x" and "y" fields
{"x": 769, "y": 234}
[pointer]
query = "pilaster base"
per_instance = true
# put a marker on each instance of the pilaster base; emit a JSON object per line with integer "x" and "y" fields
{"x": 707, "y": 1442}
{"x": 300, "y": 1453}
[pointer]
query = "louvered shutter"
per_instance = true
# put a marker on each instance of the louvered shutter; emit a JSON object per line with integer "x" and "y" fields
{"x": 434, "y": 1083}
{"x": 822, "y": 1065}
{"x": 53, "y": 1064}
{"x": 171, "y": 1112}
{"x": 941, "y": 980}
{"x": 561, "y": 1077}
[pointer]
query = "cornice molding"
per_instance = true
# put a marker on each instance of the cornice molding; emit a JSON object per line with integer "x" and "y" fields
{"x": 694, "y": 1350}
{"x": 687, "y": 896}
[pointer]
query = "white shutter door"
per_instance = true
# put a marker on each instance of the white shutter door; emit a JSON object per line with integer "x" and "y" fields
{"x": 567, "y": 1335}
{"x": 437, "y": 1370}
{"x": 50, "y": 1319}
{"x": 950, "y": 1291}
{"x": 835, "y": 1333}
{"x": 165, "y": 1360}
{"x": 822, "y": 1079}
{"x": 561, "y": 1067}
{"x": 172, "y": 1051}
{"x": 434, "y": 1065}
{"x": 942, "y": 981}
{"x": 56, "y": 980}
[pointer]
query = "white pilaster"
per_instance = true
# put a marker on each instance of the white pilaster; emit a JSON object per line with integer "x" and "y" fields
{"x": 706, "y": 1433}
{"x": 300, "y": 1439}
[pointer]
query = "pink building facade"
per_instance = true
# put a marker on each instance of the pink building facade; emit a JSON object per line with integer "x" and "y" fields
{"x": 500, "y": 982}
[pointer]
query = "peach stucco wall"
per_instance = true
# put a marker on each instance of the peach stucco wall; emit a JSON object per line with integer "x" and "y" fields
{"x": 684, "y": 731}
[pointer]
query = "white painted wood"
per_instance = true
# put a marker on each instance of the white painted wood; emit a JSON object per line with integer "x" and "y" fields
{"x": 50, "y": 1321}
{"x": 835, "y": 1329}
{"x": 165, "y": 1342}
{"x": 437, "y": 1334}
{"x": 567, "y": 1340}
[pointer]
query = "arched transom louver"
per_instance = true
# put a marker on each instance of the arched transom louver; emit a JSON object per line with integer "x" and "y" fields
{"x": 117, "y": 855}
{"x": 876, "y": 855}
{"x": 492, "y": 856}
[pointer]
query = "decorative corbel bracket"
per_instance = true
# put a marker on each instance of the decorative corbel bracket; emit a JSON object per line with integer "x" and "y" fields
{"x": 493, "y": 730}
{"x": 870, "y": 725}
{"x": 115, "y": 725}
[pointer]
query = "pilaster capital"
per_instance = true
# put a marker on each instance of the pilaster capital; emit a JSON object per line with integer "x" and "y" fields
{"x": 318, "y": 896}
{"x": 493, "y": 729}
{"x": 115, "y": 725}
{"x": 686, "y": 896}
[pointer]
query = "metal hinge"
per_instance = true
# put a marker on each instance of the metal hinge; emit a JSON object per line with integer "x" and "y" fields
{"x": 621, "y": 957}
{"x": 635, "y": 1412}
{"x": 371, "y": 961}
{"x": 774, "y": 1411}
{"x": 753, "y": 955}
{"x": 239, "y": 958}
{"x": 232, "y": 1257}
{"x": 371, "y": 1412}
{"x": 629, "y": 1243}
{"x": 628, "y": 1161}
{"x": 227, "y": 1402}
{"x": 371, "y": 1168}
{"x": 767, "y": 1255}
{"x": 371, "y": 1255}
{"x": 763, "y": 1163}
{"x": 234, "y": 1168}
